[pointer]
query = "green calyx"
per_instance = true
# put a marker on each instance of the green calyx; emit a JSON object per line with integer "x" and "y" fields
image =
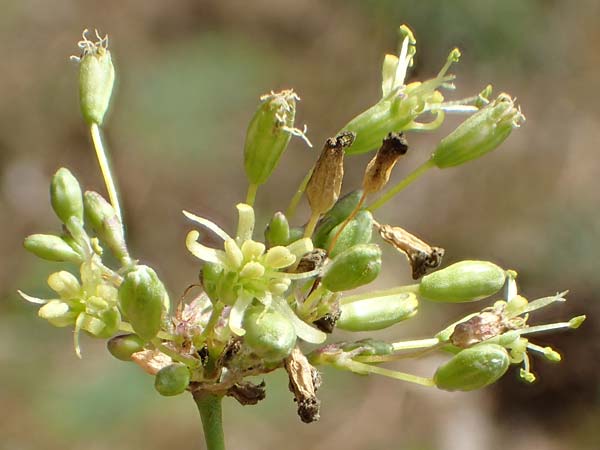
{"x": 473, "y": 368}
{"x": 377, "y": 313}
{"x": 481, "y": 133}
{"x": 172, "y": 380}
{"x": 354, "y": 267}
{"x": 269, "y": 334}
{"x": 465, "y": 281}
{"x": 65, "y": 195}
{"x": 143, "y": 300}
{"x": 51, "y": 248}
{"x": 278, "y": 231}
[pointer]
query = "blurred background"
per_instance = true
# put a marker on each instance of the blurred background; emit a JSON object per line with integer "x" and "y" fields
{"x": 190, "y": 74}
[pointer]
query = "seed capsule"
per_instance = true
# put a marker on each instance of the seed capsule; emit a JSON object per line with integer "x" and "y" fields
{"x": 377, "y": 313}
{"x": 278, "y": 230}
{"x": 479, "y": 134}
{"x": 51, "y": 248}
{"x": 380, "y": 167}
{"x": 336, "y": 215}
{"x": 122, "y": 347}
{"x": 65, "y": 195}
{"x": 357, "y": 266}
{"x": 268, "y": 134}
{"x": 268, "y": 333}
{"x": 358, "y": 231}
{"x": 465, "y": 281}
{"x": 142, "y": 300}
{"x": 172, "y": 380}
{"x": 473, "y": 368}
{"x": 104, "y": 220}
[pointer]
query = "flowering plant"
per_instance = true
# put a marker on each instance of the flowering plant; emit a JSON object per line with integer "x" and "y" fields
{"x": 260, "y": 304}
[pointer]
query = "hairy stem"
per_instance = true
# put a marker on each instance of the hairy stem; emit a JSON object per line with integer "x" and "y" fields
{"x": 209, "y": 406}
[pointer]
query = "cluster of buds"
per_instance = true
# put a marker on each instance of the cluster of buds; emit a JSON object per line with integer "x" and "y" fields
{"x": 259, "y": 302}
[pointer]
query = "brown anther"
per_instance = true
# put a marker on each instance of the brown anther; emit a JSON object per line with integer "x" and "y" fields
{"x": 421, "y": 255}
{"x": 380, "y": 167}
{"x": 304, "y": 381}
{"x": 323, "y": 188}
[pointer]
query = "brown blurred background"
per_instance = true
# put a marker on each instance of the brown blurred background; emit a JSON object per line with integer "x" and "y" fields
{"x": 189, "y": 77}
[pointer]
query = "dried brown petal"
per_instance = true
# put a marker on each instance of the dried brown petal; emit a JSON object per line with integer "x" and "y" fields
{"x": 487, "y": 324}
{"x": 323, "y": 188}
{"x": 247, "y": 393}
{"x": 311, "y": 261}
{"x": 380, "y": 167}
{"x": 304, "y": 381}
{"x": 151, "y": 361}
{"x": 421, "y": 255}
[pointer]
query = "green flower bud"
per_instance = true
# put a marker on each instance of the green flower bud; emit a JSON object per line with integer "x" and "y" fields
{"x": 141, "y": 298}
{"x": 473, "y": 368}
{"x": 278, "y": 230}
{"x": 358, "y": 231}
{"x": 65, "y": 195}
{"x": 269, "y": 334}
{"x": 172, "y": 380}
{"x": 122, "y": 347}
{"x": 335, "y": 216}
{"x": 465, "y": 281}
{"x": 479, "y": 134}
{"x": 377, "y": 313}
{"x": 58, "y": 313}
{"x": 96, "y": 79}
{"x": 357, "y": 266}
{"x": 104, "y": 220}
{"x": 51, "y": 248}
{"x": 268, "y": 134}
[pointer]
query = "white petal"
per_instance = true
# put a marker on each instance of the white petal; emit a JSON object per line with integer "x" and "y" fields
{"x": 303, "y": 330}
{"x": 29, "y": 298}
{"x": 201, "y": 251}
{"x": 236, "y": 315}
{"x": 208, "y": 225}
{"x": 245, "y": 223}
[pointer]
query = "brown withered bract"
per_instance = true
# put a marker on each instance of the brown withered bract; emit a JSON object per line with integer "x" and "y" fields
{"x": 378, "y": 171}
{"x": 311, "y": 261}
{"x": 304, "y": 382}
{"x": 247, "y": 393}
{"x": 323, "y": 188}
{"x": 421, "y": 255}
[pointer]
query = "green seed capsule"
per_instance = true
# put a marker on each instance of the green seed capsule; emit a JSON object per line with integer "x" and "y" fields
{"x": 96, "y": 80}
{"x": 479, "y": 134}
{"x": 357, "y": 266}
{"x": 358, "y": 231}
{"x": 268, "y": 134}
{"x": 377, "y": 313}
{"x": 473, "y": 368}
{"x": 268, "y": 333}
{"x": 104, "y": 220}
{"x": 278, "y": 230}
{"x": 465, "y": 281}
{"x": 51, "y": 248}
{"x": 335, "y": 216}
{"x": 122, "y": 347}
{"x": 142, "y": 300}
{"x": 172, "y": 380}
{"x": 65, "y": 195}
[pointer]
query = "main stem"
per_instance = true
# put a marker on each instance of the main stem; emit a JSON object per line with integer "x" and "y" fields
{"x": 211, "y": 414}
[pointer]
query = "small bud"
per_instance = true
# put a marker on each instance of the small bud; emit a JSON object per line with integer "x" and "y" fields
{"x": 51, "y": 248}
{"x": 357, "y": 266}
{"x": 65, "y": 195}
{"x": 172, "y": 380}
{"x": 278, "y": 230}
{"x": 377, "y": 313}
{"x": 551, "y": 355}
{"x": 323, "y": 188}
{"x": 142, "y": 300}
{"x": 122, "y": 347}
{"x": 268, "y": 333}
{"x": 58, "y": 313}
{"x": 268, "y": 134}
{"x": 380, "y": 167}
{"x": 335, "y": 216}
{"x": 576, "y": 322}
{"x": 473, "y": 368}
{"x": 465, "y": 281}
{"x": 96, "y": 78}
{"x": 358, "y": 231}
{"x": 479, "y": 134}
{"x": 104, "y": 220}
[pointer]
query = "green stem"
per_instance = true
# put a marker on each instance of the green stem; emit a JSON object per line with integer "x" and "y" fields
{"x": 414, "y": 175}
{"x": 211, "y": 414}
{"x": 291, "y": 209}
{"x": 414, "y": 288}
{"x": 251, "y": 195}
{"x": 105, "y": 169}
